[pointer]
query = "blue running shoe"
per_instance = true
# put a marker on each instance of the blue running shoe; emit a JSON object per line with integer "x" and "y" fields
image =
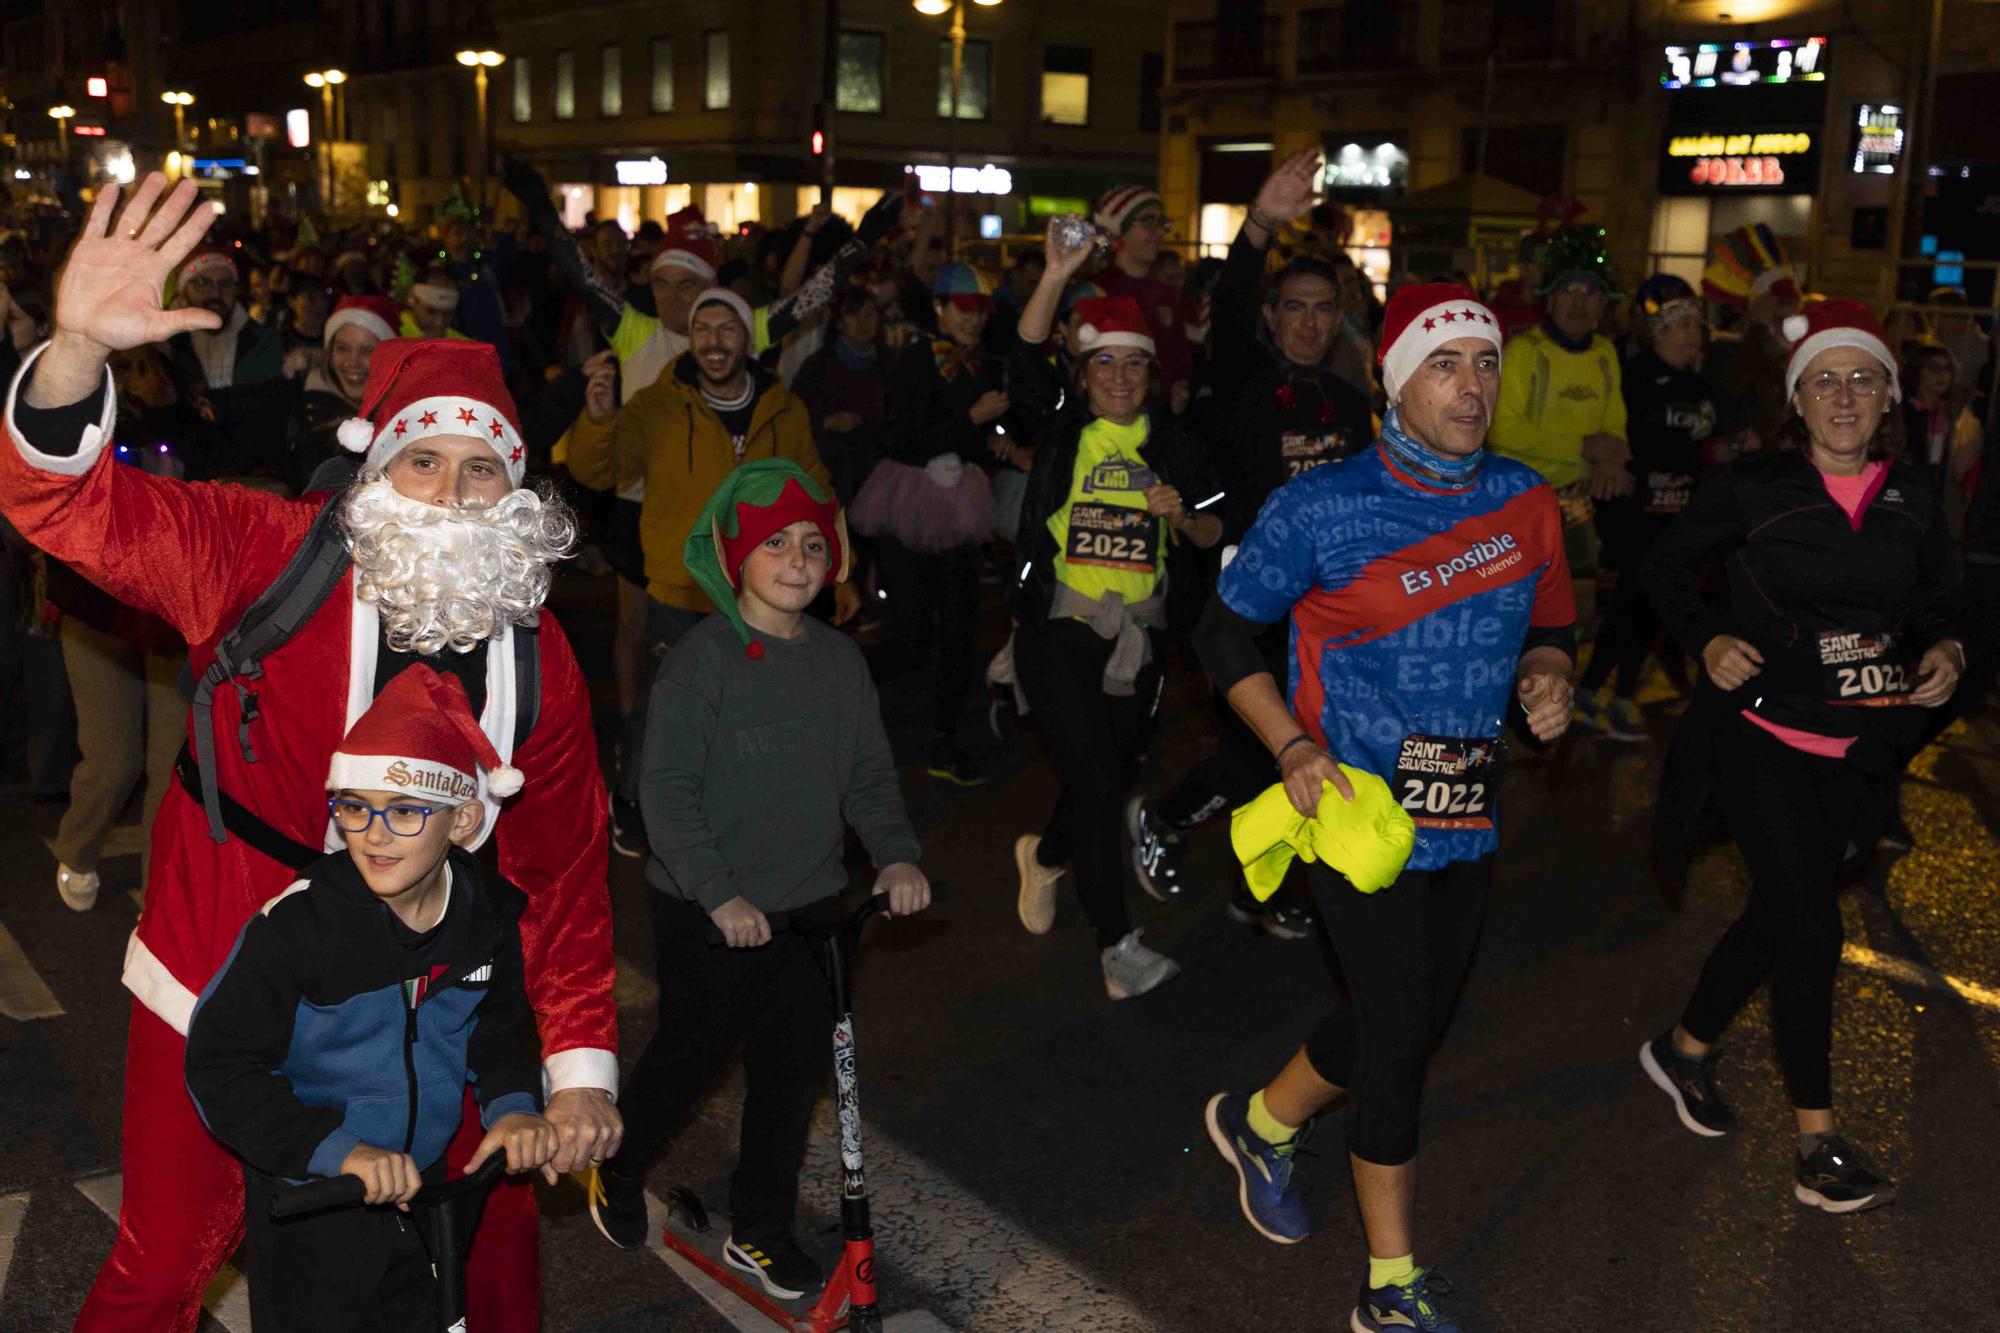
{"x": 1389, "y": 1308}
{"x": 1263, "y": 1171}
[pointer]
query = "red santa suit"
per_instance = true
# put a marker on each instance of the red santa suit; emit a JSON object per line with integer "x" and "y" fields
{"x": 197, "y": 556}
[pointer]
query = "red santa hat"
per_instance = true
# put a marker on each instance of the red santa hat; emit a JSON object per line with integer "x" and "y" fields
{"x": 422, "y": 387}
{"x": 688, "y": 245}
{"x": 1828, "y": 324}
{"x": 374, "y": 314}
{"x": 1111, "y": 321}
{"x": 1422, "y": 318}
{"x": 419, "y": 739}
{"x": 207, "y": 260}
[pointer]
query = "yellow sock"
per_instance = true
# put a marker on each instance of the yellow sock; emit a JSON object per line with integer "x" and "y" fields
{"x": 1383, "y": 1272}
{"x": 1267, "y": 1126}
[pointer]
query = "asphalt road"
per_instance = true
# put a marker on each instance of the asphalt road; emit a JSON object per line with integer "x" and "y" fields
{"x": 1037, "y": 1151}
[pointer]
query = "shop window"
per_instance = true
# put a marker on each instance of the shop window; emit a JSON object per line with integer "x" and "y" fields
{"x": 715, "y": 78}
{"x": 565, "y": 95}
{"x": 524, "y": 90}
{"x": 1066, "y": 85}
{"x": 858, "y": 80}
{"x": 610, "y": 80}
{"x": 662, "y": 97}
{"x": 975, "y": 82}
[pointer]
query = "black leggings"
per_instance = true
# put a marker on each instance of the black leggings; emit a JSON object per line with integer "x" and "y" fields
{"x": 1793, "y": 815}
{"x": 1095, "y": 740}
{"x": 1625, "y": 634}
{"x": 1405, "y": 951}
{"x": 934, "y": 603}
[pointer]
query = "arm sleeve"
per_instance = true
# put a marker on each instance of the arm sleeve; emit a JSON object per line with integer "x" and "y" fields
{"x": 1672, "y": 570}
{"x": 191, "y": 553}
{"x": 606, "y": 305}
{"x": 1937, "y": 585}
{"x": 1034, "y": 384}
{"x": 1232, "y": 314}
{"x": 550, "y": 412}
{"x": 553, "y": 844}
{"x": 237, "y": 1038}
{"x": 1227, "y": 645}
{"x": 1615, "y": 422}
{"x": 680, "y": 723}
{"x": 1511, "y": 428}
{"x": 1554, "y": 609}
{"x": 500, "y": 1056}
{"x": 873, "y": 803}
{"x": 787, "y": 313}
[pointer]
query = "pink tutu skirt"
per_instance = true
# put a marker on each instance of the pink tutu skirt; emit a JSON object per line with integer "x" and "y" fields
{"x": 904, "y": 502}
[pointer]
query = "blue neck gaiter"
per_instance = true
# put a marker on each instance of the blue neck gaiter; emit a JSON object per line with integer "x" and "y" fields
{"x": 1426, "y": 462}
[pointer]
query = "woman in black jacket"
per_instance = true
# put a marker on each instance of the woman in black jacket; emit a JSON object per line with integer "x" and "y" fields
{"x": 1114, "y": 480}
{"x": 1833, "y": 644}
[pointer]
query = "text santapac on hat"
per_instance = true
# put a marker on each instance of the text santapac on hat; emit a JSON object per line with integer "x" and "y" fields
{"x": 419, "y": 739}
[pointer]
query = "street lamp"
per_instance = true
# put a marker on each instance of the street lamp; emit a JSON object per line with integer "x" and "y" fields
{"x": 479, "y": 61}
{"x": 931, "y": 9}
{"x": 62, "y": 116}
{"x": 180, "y": 102}
{"x": 326, "y": 80}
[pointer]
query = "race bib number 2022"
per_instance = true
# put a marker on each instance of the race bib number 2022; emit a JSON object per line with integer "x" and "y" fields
{"x": 1447, "y": 782}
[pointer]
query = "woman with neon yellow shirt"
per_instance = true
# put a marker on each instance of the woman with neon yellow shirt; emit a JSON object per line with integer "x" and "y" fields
{"x": 1115, "y": 479}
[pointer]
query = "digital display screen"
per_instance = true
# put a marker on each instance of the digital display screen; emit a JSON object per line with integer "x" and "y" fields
{"x": 1878, "y": 138}
{"x": 1745, "y": 64}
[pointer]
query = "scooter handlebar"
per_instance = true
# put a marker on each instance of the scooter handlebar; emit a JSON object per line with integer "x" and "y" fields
{"x": 325, "y": 1192}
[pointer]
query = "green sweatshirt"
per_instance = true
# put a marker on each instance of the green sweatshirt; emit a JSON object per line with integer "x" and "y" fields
{"x": 752, "y": 769}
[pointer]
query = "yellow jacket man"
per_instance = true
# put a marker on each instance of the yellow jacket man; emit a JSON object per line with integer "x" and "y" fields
{"x": 711, "y": 409}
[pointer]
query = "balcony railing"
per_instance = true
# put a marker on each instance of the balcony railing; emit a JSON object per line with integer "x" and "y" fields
{"x": 1226, "y": 49}
{"x": 1355, "y": 36}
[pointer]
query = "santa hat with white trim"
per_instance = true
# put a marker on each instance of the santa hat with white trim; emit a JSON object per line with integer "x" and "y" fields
{"x": 1111, "y": 321}
{"x": 688, "y": 245}
{"x": 213, "y": 260}
{"x": 419, "y": 739}
{"x": 423, "y": 387}
{"x": 1828, "y": 324}
{"x": 373, "y": 314}
{"x": 1424, "y": 317}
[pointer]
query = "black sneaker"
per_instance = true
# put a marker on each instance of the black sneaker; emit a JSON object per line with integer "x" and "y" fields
{"x": 954, "y": 765}
{"x": 618, "y": 1208}
{"x": 1834, "y": 1179}
{"x": 785, "y": 1271}
{"x": 1897, "y": 837}
{"x": 1284, "y": 917}
{"x": 1691, "y": 1083}
{"x": 1157, "y": 851}
{"x": 628, "y": 828}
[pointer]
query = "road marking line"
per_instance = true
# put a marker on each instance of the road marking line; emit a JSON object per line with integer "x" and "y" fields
{"x": 227, "y": 1297}
{"x": 1914, "y": 974}
{"x": 23, "y": 993}
{"x": 13, "y": 1208}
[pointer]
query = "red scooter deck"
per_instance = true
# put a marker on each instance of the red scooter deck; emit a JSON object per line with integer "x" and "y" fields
{"x": 822, "y": 1313}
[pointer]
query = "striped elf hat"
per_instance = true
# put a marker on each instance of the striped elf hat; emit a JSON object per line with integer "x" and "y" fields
{"x": 1749, "y": 262}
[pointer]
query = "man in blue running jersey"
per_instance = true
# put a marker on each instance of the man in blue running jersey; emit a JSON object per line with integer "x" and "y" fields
{"x": 1427, "y": 593}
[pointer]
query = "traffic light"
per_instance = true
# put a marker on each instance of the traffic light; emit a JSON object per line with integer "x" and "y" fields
{"x": 818, "y": 140}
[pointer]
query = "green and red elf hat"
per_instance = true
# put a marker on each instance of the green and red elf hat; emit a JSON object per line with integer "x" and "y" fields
{"x": 759, "y": 498}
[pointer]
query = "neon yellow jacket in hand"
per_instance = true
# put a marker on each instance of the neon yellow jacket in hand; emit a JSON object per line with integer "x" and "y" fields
{"x": 1367, "y": 839}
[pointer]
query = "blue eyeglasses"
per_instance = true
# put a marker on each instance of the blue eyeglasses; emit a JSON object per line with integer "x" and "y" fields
{"x": 352, "y": 816}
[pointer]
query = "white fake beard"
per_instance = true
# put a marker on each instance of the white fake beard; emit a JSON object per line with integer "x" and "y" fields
{"x": 451, "y": 576}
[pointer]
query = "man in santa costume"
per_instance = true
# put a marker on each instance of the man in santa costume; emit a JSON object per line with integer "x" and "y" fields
{"x": 450, "y": 561}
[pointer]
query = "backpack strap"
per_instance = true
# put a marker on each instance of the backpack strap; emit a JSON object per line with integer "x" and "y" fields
{"x": 293, "y": 598}
{"x": 527, "y": 682}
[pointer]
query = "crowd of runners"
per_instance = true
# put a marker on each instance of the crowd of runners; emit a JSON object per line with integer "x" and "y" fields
{"x": 1405, "y": 534}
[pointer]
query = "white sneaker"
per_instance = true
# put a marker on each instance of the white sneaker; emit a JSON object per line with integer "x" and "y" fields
{"x": 77, "y": 887}
{"x": 1038, "y": 885}
{"x": 1130, "y": 968}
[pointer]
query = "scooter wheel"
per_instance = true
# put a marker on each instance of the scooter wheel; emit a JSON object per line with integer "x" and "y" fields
{"x": 870, "y": 1322}
{"x": 685, "y": 1205}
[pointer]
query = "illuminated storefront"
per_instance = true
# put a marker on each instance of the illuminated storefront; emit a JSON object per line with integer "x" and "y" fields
{"x": 1743, "y": 145}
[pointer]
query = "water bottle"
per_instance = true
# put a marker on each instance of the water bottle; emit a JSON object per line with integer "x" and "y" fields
{"x": 1073, "y": 231}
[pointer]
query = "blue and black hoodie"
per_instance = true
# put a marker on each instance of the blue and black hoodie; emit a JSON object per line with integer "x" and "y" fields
{"x": 333, "y": 1024}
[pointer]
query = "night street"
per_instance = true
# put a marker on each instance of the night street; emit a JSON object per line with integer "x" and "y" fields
{"x": 1037, "y": 1153}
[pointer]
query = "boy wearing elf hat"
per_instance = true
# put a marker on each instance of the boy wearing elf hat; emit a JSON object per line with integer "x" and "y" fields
{"x": 764, "y": 743}
{"x": 358, "y": 1004}
{"x": 1136, "y": 221}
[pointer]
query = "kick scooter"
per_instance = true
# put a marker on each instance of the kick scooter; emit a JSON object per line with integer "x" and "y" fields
{"x": 848, "y": 1300}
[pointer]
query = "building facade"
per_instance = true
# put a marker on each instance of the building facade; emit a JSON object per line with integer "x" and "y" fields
{"x": 636, "y": 109}
{"x": 1669, "y": 121}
